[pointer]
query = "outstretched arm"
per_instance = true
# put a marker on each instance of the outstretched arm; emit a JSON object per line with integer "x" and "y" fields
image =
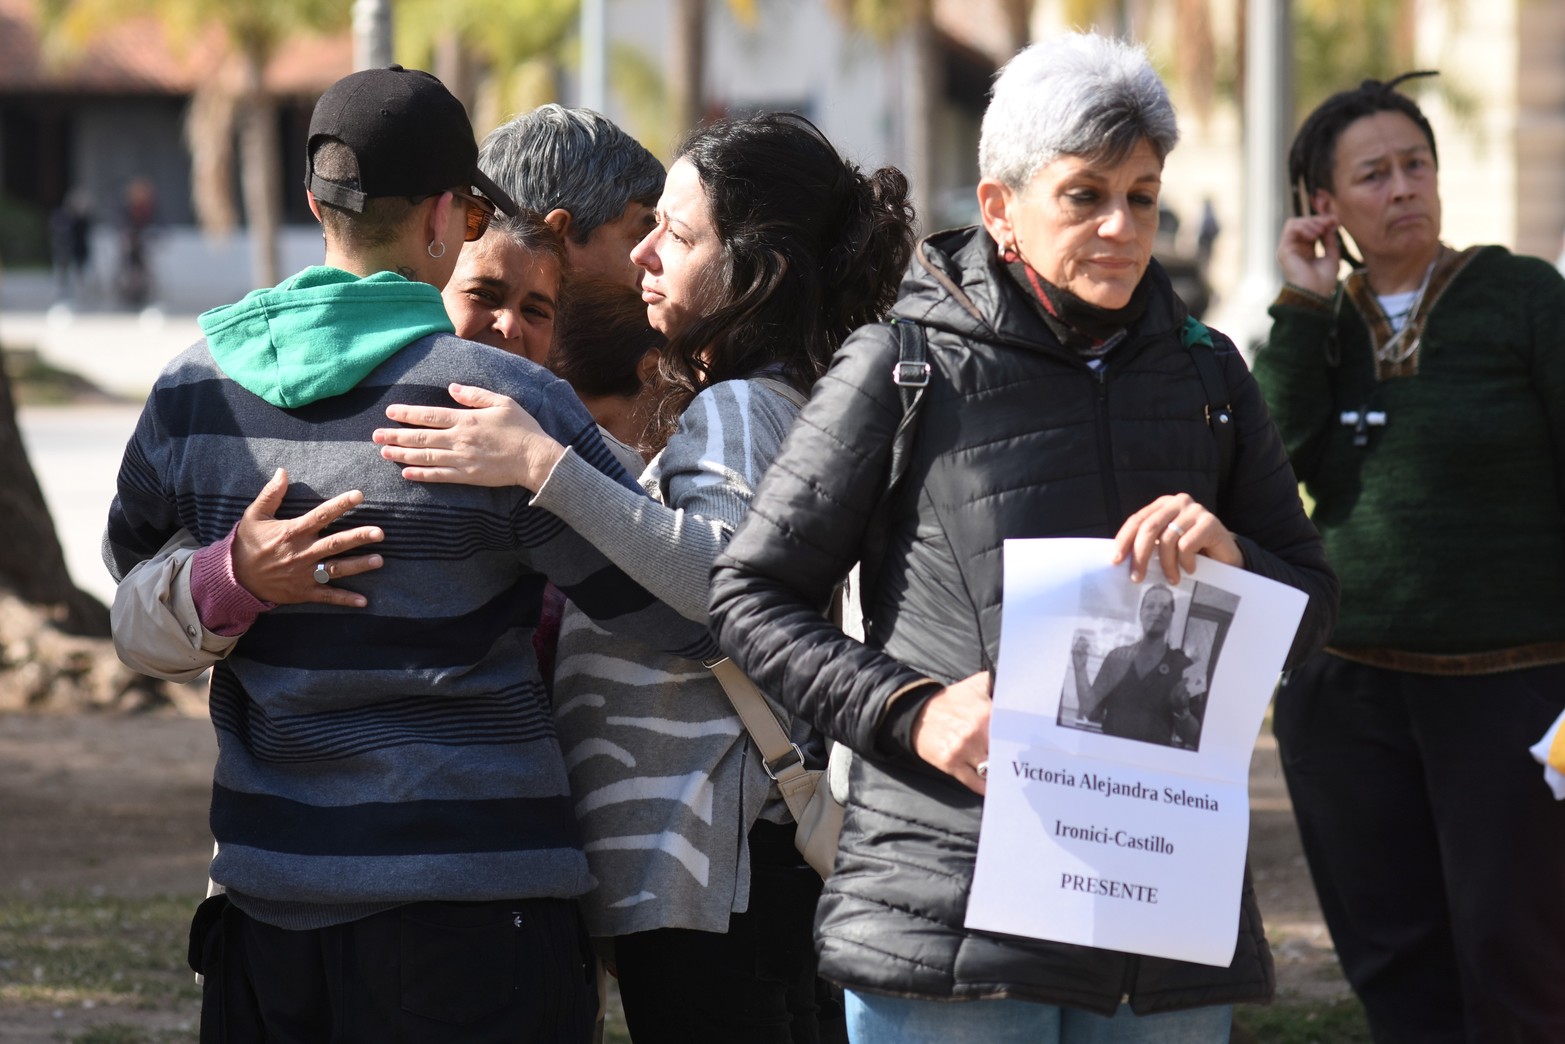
{"x": 706, "y": 477}
{"x": 545, "y": 425}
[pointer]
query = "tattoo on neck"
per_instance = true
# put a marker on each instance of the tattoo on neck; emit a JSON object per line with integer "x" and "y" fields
{"x": 407, "y": 273}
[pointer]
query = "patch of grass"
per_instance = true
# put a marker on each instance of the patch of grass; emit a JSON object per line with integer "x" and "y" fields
{"x": 37, "y": 383}
{"x": 69, "y": 951}
{"x": 1338, "y": 1021}
{"x": 119, "y": 1033}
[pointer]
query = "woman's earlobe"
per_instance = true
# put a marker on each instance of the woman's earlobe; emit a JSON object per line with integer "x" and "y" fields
{"x": 994, "y": 209}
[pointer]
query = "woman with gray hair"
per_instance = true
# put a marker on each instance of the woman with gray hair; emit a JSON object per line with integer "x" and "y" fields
{"x": 1067, "y": 395}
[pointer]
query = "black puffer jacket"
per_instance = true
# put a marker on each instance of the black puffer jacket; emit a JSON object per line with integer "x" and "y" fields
{"x": 1018, "y": 438}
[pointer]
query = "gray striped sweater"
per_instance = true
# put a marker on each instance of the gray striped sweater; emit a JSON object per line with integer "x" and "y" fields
{"x": 665, "y": 780}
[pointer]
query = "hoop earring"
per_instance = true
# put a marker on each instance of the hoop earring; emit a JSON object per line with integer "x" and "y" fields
{"x": 431, "y": 250}
{"x": 1008, "y": 252}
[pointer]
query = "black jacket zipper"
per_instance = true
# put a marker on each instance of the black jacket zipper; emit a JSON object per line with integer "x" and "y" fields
{"x": 1106, "y": 449}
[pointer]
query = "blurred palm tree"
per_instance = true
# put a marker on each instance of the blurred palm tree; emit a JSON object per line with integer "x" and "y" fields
{"x": 251, "y": 33}
{"x": 507, "y": 44}
{"x": 1337, "y": 46}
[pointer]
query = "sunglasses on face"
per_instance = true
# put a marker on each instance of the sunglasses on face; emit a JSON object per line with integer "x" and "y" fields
{"x": 479, "y": 213}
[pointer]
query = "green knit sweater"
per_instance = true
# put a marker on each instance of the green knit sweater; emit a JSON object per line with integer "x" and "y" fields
{"x": 1448, "y": 528}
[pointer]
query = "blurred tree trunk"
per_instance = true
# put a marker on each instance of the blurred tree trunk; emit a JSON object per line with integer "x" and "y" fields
{"x": 32, "y": 563}
{"x": 1195, "y": 55}
{"x": 260, "y": 168}
{"x": 1018, "y": 25}
{"x": 687, "y": 64}
{"x": 453, "y": 66}
{"x": 925, "y": 85}
{"x": 922, "y": 81}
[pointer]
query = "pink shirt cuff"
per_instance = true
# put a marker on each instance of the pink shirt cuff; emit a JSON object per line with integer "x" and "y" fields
{"x": 224, "y": 606}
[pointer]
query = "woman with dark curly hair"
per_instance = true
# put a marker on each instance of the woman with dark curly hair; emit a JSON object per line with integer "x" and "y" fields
{"x": 1422, "y": 399}
{"x": 769, "y": 250}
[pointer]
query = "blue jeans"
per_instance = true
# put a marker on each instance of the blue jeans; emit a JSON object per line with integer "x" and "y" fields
{"x": 874, "y": 1019}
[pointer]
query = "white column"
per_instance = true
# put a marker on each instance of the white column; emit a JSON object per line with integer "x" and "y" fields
{"x": 371, "y": 34}
{"x": 594, "y": 61}
{"x": 1268, "y": 128}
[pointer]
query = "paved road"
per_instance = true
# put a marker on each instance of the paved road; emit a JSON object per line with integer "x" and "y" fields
{"x": 119, "y": 352}
{"x": 75, "y": 450}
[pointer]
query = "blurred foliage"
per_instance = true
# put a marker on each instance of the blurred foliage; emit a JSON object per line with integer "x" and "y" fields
{"x": 24, "y": 233}
{"x": 252, "y": 31}
{"x": 881, "y": 19}
{"x": 1337, "y": 46}
{"x": 505, "y": 38}
{"x": 255, "y": 27}
{"x": 639, "y": 85}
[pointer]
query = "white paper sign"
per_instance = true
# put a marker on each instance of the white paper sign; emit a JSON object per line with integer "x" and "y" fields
{"x": 1117, "y": 812}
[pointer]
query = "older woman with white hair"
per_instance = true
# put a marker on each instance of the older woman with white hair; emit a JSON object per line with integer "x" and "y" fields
{"x": 1068, "y": 395}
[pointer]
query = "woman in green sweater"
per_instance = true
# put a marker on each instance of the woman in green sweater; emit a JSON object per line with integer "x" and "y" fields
{"x": 1422, "y": 400}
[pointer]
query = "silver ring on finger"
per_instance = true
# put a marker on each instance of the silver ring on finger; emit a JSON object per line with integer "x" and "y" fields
{"x": 1178, "y": 529}
{"x": 322, "y": 574}
{"x": 982, "y": 768}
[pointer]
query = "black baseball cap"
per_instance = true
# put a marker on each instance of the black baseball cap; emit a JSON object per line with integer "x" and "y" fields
{"x": 410, "y": 135}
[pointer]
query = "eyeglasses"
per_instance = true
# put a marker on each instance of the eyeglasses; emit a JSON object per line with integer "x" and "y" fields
{"x": 479, "y": 213}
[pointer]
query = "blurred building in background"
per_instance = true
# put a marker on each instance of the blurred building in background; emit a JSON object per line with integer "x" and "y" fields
{"x": 104, "y": 126}
{"x": 902, "y": 82}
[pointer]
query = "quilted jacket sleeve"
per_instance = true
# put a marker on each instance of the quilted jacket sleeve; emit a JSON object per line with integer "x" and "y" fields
{"x": 799, "y": 540}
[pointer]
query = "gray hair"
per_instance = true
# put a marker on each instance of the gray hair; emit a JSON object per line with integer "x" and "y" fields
{"x": 1081, "y": 94}
{"x": 528, "y": 230}
{"x": 575, "y": 159}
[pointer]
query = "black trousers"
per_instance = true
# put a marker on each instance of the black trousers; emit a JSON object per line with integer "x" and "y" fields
{"x": 442, "y": 973}
{"x": 1436, "y": 848}
{"x": 754, "y": 983}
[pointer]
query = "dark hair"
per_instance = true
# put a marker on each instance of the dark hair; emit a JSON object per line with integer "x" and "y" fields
{"x": 601, "y": 334}
{"x": 812, "y": 249}
{"x": 384, "y": 216}
{"x": 1314, "y": 149}
{"x": 528, "y": 230}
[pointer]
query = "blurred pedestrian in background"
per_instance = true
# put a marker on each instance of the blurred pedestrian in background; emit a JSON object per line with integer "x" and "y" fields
{"x": 133, "y": 277}
{"x": 70, "y": 244}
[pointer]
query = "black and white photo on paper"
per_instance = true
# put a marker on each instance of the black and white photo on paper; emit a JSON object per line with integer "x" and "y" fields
{"x": 1142, "y": 660}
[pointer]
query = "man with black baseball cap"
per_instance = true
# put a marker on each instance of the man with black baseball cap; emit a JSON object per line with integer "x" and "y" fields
{"x": 395, "y": 832}
{"x": 408, "y": 134}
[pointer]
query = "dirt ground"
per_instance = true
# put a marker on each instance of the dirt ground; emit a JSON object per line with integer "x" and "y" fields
{"x": 115, "y": 805}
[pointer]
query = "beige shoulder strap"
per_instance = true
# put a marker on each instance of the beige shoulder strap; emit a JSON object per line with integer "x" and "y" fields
{"x": 783, "y": 760}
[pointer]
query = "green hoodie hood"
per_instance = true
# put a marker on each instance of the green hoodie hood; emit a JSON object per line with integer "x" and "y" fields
{"x": 319, "y": 333}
